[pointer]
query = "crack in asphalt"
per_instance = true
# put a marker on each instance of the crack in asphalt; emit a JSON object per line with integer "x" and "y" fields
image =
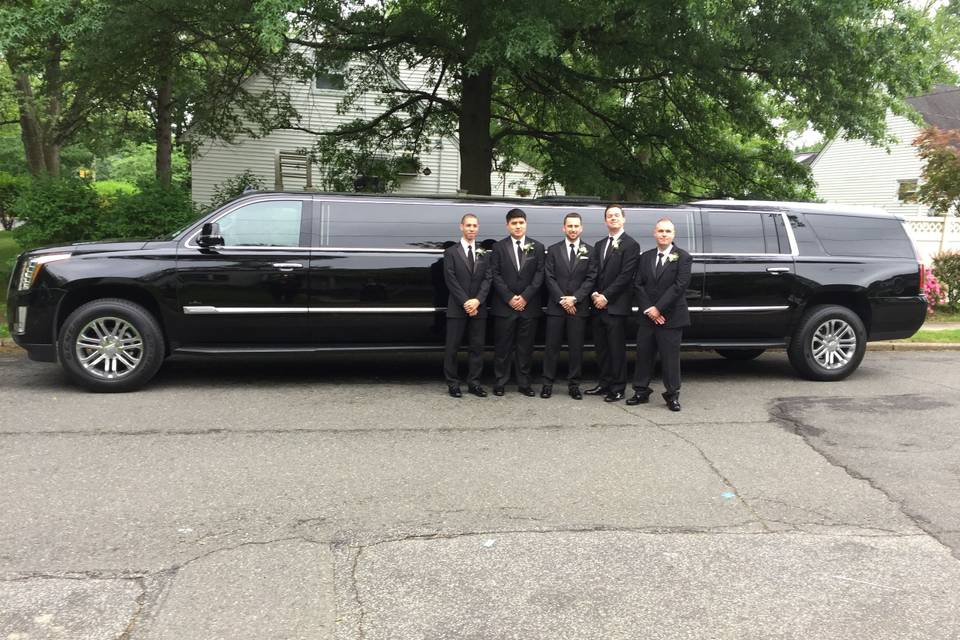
{"x": 782, "y": 412}
{"x": 140, "y": 601}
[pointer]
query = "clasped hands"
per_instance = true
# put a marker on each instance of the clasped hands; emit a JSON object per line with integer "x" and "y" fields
{"x": 471, "y": 306}
{"x": 655, "y": 316}
{"x": 569, "y": 304}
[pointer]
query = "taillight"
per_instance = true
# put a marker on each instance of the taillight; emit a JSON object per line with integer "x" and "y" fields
{"x": 923, "y": 277}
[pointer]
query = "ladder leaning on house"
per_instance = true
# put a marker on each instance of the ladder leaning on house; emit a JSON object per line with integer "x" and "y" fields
{"x": 289, "y": 165}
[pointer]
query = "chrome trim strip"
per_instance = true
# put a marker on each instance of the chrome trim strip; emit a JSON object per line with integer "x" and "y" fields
{"x": 210, "y": 310}
{"x": 207, "y": 310}
{"x": 740, "y": 309}
{"x": 374, "y": 250}
{"x": 794, "y": 247}
{"x": 376, "y": 309}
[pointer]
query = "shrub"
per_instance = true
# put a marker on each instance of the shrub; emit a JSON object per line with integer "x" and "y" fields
{"x": 235, "y": 186}
{"x": 57, "y": 211}
{"x": 936, "y": 294}
{"x": 153, "y": 211}
{"x": 946, "y": 268}
{"x": 10, "y": 189}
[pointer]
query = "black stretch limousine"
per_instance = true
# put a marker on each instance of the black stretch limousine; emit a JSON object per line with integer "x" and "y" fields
{"x": 309, "y": 272}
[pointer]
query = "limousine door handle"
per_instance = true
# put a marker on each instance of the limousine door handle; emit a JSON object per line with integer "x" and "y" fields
{"x": 778, "y": 270}
{"x": 287, "y": 266}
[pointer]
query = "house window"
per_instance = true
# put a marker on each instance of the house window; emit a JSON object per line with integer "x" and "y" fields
{"x": 329, "y": 81}
{"x": 907, "y": 191}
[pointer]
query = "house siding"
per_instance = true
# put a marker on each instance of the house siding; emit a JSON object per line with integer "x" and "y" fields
{"x": 217, "y": 161}
{"x": 854, "y": 172}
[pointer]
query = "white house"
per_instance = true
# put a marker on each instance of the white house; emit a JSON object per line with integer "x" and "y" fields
{"x": 855, "y": 172}
{"x": 317, "y": 103}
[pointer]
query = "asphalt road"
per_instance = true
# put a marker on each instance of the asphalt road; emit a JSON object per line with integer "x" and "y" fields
{"x": 350, "y": 498}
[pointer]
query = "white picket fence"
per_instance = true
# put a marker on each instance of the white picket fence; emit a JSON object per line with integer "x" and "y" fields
{"x": 931, "y": 237}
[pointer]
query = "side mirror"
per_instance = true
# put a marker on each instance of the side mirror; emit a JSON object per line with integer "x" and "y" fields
{"x": 210, "y": 235}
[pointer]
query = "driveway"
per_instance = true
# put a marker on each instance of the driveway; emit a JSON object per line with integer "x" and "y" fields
{"x": 348, "y": 497}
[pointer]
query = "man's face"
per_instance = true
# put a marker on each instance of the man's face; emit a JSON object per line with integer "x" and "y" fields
{"x": 572, "y": 228}
{"x": 614, "y": 219}
{"x": 517, "y": 228}
{"x": 469, "y": 228}
{"x": 663, "y": 234}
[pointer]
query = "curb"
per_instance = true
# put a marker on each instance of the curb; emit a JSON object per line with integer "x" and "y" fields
{"x": 913, "y": 346}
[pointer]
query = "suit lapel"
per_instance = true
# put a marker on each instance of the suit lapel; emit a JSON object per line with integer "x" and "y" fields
{"x": 463, "y": 258}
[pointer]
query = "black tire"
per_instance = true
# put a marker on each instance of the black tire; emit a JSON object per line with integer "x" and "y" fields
{"x": 828, "y": 344}
{"x": 740, "y": 354}
{"x": 111, "y": 345}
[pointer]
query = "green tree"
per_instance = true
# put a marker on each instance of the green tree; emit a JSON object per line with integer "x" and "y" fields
{"x": 641, "y": 99}
{"x": 940, "y": 153}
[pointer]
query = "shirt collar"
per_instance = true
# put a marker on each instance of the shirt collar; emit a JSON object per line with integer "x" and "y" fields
{"x": 523, "y": 241}
{"x": 666, "y": 251}
{"x": 566, "y": 244}
{"x": 617, "y": 236}
{"x": 466, "y": 245}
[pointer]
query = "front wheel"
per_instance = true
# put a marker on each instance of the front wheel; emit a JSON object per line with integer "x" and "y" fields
{"x": 828, "y": 344}
{"x": 111, "y": 345}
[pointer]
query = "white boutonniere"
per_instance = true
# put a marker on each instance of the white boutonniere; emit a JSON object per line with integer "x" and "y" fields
{"x": 616, "y": 243}
{"x": 482, "y": 252}
{"x": 673, "y": 257}
{"x": 527, "y": 248}
{"x": 582, "y": 252}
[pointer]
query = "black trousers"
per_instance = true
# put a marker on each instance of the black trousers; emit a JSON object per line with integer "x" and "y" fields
{"x": 513, "y": 342}
{"x": 476, "y": 328}
{"x": 610, "y": 338}
{"x": 575, "y": 327}
{"x": 651, "y": 340}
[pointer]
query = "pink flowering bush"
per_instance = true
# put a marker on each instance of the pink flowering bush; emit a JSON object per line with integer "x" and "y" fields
{"x": 935, "y": 292}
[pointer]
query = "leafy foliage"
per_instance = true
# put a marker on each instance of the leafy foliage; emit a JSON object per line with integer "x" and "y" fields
{"x": 651, "y": 100}
{"x": 10, "y": 189}
{"x": 136, "y": 164}
{"x": 235, "y": 186}
{"x": 56, "y": 211}
{"x": 153, "y": 211}
{"x": 946, "y": 267}
{"x": 940, "y": 152}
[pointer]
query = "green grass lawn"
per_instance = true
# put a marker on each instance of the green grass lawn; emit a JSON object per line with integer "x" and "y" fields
{"x": 945, "y": 335}
{"x": 943, "y": 316}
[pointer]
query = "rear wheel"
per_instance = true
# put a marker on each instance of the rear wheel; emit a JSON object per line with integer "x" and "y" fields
{"x": 111, "y": 345}
{"x": 740, "y": 354}
{"x": 828, "y": 344}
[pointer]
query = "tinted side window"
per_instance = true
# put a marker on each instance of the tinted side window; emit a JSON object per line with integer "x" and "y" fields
{"x": 388, "y": 224}
{"x": 734, "y": 232}
{"x": 807, "y": 242}
{"x": 861, "y": 236}
{"x": 274, "y": 223}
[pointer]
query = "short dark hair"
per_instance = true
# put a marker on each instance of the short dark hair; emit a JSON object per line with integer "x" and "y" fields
{"x": 572, "y": 214}
{"x": 469, "y": 215}
{"x": 516, "y": 213}
{"x": 614, "y": 206}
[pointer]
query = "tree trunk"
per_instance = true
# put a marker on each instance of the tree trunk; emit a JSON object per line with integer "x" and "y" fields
{"x": 476, "y": 146}
{"x": 30, "y": 132}
{"x": 165, "y": 128}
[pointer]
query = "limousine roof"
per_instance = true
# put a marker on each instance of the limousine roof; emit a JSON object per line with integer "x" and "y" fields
{"x": 801, "y": 207}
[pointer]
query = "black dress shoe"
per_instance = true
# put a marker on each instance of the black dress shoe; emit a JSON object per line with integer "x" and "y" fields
{"x": 575, "y": 393}
{"x": 546, "y": 391}
{"x": 527, "y": 391}
{"x": 638, "y": 398}
{"x": 477, "y": 390}
{"x": 596, "y": 391}
{"x": 498, "y": 391}
{"x": 673, "y": 405}
{"x": 613, "y": 396}
{"x": 455, "y": 392}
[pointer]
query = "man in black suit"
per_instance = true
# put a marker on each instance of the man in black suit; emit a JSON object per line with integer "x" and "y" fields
{"x": 467, "y": 273}
{"x": 517, "y": 279}
{"x": 569, "y": 271}
{"x": 661, "y": 285}
{"x": 612, "y": 300}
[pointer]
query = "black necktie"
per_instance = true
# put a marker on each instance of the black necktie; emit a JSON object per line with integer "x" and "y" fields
{"x": 470, "y": 258}
{"x": 519, "y": 256}
{"x": 606, "y": 250}
{"x": 659, "y": 263}
{"x": 573, "y": 256}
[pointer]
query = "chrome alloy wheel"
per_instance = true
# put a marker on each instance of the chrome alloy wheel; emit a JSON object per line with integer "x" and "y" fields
{"x": 833, "y": 344}
{"x": 109, "y": 348}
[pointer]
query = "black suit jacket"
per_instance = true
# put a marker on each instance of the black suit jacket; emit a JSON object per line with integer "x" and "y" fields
{"x": 667, "y": 292}
{"x": 508, "y": 281}
{"x": 562, "y": 281}
{"x": 615, "y": 274}
{"x": 464, "y": 284}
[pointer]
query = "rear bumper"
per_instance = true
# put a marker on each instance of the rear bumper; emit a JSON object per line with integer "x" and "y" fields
{"x": 896, "y": 318}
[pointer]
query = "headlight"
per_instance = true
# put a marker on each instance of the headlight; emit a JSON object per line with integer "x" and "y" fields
{"x": 33, "y": 267}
